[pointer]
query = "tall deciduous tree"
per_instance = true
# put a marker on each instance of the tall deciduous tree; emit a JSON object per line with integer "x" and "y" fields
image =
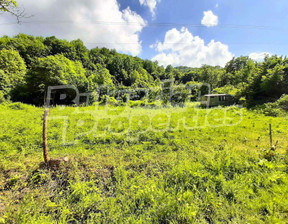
{"x": 29, "y": 47}
{"x": 210, "y": 75}
{"x": 12, "y": 70}
{"x": 52, "y": 71}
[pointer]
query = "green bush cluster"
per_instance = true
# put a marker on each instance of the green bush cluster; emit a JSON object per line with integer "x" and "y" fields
{"x": 278, "y": 108}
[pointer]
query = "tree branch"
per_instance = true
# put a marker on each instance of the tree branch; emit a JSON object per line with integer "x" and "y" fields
{"x": 12, "y": 8}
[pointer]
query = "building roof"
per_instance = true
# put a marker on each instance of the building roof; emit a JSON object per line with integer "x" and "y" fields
{"x": 217, "y": 95}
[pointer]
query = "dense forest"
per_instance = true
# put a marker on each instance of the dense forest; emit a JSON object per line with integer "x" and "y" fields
{"x": 28, "y": 65}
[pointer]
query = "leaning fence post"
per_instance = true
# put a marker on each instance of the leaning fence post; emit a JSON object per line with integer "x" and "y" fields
{"x": 270, "y": 133}
{"x": 45, "y": 145}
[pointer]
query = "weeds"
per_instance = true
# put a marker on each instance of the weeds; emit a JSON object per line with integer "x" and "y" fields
{"x": 176, "y": 175}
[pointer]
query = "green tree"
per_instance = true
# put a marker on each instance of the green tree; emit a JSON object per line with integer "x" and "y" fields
{"x": 9, "y": 6}
{"x": 100, "y": 76}
{"x": 12, "y": 70}
{"x": 29, "y": 47}
{"x": 57, "y": 46}
{"x": 245, "y": 75}
{"x": 100, "y": 82}
{"x": 134, "y": 76}
{"x": 272, "y": 81}
{"x": 236, "y": 64}
{"x": 52, "y": 71}
{"x": 269, "y": 81}
{"x": 210, "y": 75}
{"x": 96, "y": 57}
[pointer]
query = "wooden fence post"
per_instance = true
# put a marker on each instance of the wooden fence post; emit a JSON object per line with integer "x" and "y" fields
{"x": 270, "y": 133}
{"x": 45, "y": 145}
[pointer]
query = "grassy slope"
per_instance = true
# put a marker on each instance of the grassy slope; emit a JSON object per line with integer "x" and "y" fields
{"x": 206, "y": 174}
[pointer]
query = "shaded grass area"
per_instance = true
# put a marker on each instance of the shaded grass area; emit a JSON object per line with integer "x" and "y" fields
{"x": 178, "y": 165}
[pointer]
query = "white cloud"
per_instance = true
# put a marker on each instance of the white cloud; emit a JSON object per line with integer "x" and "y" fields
{"x": 97, "y": 22}
{"x": 182, "y": 48}
{"x": 151, "y": 4}
{"x": 217, "y": 5}
{"x": 259, "y": 56}
{"x": 209, "y": 19}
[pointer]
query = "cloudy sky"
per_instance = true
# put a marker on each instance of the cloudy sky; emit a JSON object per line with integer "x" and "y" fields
{"x": 177, "y": 32}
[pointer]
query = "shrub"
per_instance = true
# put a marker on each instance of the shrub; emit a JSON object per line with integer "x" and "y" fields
{"x": 18, "y": 106}
{"x": 138, "y": 103}
{"x": 276, "y": 109}
{"x": 108, "y": 100}
{"x": 283, "y": 102}
{"x": 2, "y": 98}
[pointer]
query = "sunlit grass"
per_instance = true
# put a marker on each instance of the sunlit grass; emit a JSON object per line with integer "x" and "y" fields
{"x": 143, "y": 165}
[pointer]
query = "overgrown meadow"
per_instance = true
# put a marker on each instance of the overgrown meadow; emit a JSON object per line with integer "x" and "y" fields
{"x": 143, "y": 165}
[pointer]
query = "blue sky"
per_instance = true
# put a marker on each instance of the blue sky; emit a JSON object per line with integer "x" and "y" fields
{"x": 245, "y": 26}
{"x": 169, "y": 31}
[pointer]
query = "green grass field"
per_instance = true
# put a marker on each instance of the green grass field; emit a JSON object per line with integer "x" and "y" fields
{"x": 143, "y": 165}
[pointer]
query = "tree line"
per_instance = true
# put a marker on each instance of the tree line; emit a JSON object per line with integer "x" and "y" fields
{"x": 28, "y": 65}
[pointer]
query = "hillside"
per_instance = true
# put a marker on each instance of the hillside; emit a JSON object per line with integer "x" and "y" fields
{"x": 28, "y": 65}
{"x": 136, "y": 153}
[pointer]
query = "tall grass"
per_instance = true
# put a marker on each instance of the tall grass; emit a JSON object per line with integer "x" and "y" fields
{"x": 143, "y": 165}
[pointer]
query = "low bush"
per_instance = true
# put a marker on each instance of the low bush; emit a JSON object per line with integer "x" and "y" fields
{"x": 276, "y": 109}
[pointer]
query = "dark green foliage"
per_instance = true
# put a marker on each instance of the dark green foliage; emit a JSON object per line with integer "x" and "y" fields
{"x": 53, "y": 71}
{"x": 103, "y": 67}
{"x": 278, "y": 108}
{"x": 74, "y": 50}
{"x": 269, "y": 82}
{"x": 105, "y": 71}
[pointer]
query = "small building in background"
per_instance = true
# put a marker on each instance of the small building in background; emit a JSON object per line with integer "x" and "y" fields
{"x": 214, "y": 100}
